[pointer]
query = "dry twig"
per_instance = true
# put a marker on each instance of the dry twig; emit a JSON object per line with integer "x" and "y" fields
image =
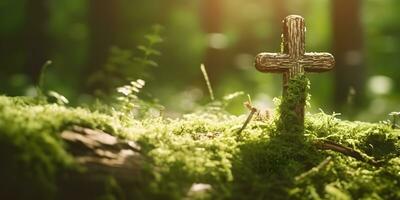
{"x": 249, "y": 117}
{"x": 330, "y": 145}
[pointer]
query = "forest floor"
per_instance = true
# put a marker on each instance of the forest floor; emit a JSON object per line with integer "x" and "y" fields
{"x": 51, "y": 151}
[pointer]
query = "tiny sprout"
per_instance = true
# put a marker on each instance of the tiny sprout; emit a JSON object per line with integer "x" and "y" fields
{"x": 42, "y": 72}
{"x": 40, "y": 84}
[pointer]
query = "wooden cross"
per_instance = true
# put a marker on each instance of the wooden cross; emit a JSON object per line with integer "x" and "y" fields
{"x": 293, "y": 59}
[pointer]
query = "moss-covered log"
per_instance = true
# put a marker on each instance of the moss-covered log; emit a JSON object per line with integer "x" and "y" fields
{"x": 196, "y": 156}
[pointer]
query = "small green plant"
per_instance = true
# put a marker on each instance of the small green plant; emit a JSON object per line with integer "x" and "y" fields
{"x": 124, "y": 65}
{"x": 148, "y": 50}
{"x": 51, "y": 96}
{"x": 130, "y": 106}
{"x": 129, "y": 99}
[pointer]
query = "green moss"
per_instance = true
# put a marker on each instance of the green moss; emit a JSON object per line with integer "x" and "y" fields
{"x": 203, "y": 148}
{"x": 291, "y": 108}
{"x": 195, "y": 149}
{"x": 30, "y": 146}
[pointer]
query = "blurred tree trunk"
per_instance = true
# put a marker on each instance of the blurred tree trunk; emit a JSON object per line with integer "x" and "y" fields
{"x": 348, "y": 51}
{"x": 250, "y": 44}
{"x": 36, "y": 37}
{"x": 280, "y": 9}
{"x": 211, "y": 21}
{"x": 103, "y": 29}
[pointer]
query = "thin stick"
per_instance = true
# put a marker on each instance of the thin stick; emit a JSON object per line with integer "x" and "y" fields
{"x": 314, "y": 170}
{"x": 330, "y": 145}
{"x": 203, "y": 69}
{"x": 249, "y": 117}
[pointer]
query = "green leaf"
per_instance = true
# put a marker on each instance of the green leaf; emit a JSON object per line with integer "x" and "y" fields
{"x": 153, "y": 38}
{"x": 150, "y": 63}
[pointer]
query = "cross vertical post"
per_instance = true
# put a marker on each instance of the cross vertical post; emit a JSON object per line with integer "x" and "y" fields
{"x": 293, "y": 45}
{"x": 293, "y": 60}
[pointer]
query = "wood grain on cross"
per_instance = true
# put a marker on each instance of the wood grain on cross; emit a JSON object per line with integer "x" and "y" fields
{"x": 293, "y": 59}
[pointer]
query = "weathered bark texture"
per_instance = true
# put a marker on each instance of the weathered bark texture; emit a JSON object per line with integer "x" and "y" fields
{"x": 103, "y": 156}
{"x": 36, "y": 37}
{"x": 348, "y": 50}
{"x": 277, "y": 62}
{"x": 293, "y": 60}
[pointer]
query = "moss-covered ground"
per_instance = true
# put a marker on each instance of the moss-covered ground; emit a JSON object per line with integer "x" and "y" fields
{"x": 204, "y": 147}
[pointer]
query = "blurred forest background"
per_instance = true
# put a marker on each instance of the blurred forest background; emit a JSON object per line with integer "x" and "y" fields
{"x": 98, "y": 45}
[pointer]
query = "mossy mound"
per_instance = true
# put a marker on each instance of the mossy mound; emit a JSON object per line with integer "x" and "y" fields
{"x": 200, "y": 155}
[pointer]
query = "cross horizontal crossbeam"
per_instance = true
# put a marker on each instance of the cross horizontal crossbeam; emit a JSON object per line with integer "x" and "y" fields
{"x": 278, "y": 62}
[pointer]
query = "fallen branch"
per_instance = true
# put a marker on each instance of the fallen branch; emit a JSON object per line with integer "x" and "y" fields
{"x": 330, "y": 145}
{"x": 314, "y": 170}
